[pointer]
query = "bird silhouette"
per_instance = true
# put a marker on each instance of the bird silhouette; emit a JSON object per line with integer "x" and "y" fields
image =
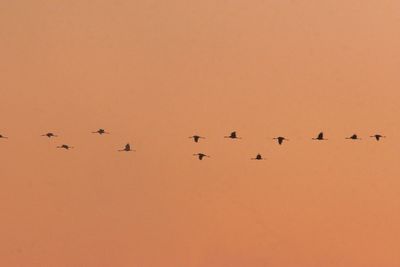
{"x": 320, "y": 137}
{"x": 4, "y": 137}
{"x": 378, "y": 136}
{"x": 280, "y": 139}
{"x": 233, "y": 135}
{"x": 65, "y": 147}
{"x": 196, "y": 138}
{"x": 101, "y": 131}
{"x": 353, "y": 137}
{"x": 49, "y": 135}
{"x": 127, "y": 148}
{"x": 201, "y": 155}
{"x": 258, "y": 157}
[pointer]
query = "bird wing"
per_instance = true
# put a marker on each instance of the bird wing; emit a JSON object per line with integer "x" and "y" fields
{"x": 321, "y": 136}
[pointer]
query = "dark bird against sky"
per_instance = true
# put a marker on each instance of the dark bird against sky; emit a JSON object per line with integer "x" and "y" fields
{"x": 201, "y": 155}
{"x": 320, "y": 137}
{"x": 258, "y": 157}
{"x": 378, "y": 136}
{"x": 65, "y": 147}
{"x": 196, "y": 138}
{"x": 353, "y": 137}
{"x": 49, "y": 135}
{"x": 101, "y": 132}
{"x": 127, "y": 148}
{"x": 233, "y": 135}
{"x": 280, "y": 139}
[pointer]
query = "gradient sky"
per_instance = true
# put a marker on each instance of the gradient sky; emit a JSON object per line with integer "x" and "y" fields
{"x": 155, "y": 72}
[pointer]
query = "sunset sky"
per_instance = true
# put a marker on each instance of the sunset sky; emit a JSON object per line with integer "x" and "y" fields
{"x": 154, "y": 73}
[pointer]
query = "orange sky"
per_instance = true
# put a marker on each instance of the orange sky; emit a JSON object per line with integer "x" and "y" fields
{"x": 155, "y": 72}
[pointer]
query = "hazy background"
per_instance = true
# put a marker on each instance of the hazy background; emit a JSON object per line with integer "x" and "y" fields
{"x": 155, "y": 72}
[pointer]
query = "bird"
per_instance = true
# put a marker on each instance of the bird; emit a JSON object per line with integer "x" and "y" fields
{"x": 378, "y": 136}
{"x": 201, "y": 155}
{"x": 233, "y": 135}
{"x": 258, "y": 157}
{"x": 2, "y": 136}
{"x": 65, "y": 147}
{"x": 196, "y": 138}
{"x": 101, "y": 131}
{"x": 49, "y": 135}
{"x": 127, "y": 148}
{"x": 353, "y": 137}
{"x": 280, "y": 139}
{"x": 320, "y": 137}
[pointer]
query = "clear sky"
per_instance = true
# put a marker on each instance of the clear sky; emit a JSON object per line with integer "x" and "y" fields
{"x": 155, "y": 72}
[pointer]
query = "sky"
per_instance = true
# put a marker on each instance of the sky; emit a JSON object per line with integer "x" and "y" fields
{"x": 154, "y": 73}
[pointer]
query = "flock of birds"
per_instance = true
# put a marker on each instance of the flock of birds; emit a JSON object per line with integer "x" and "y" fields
{"x": 196, "y": 139}
{"x": 127, "y": 147}
{"x": 280, "y": 139}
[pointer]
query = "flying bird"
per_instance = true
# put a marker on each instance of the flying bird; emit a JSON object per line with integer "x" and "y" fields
{"x": 101, "y": 131}
{"x": 353, "y": 137}
{"x": 201, "y": 155}
{"x": 65, "y": 147}
{"x": 196, "y": 138}
{"x": 2, "y": 136}
{"x": 280, "y": 139}
{"x": 127, "y": 148}
{"x": 49, "y": 135}
{"x": 378, "y": 136}
{"x": 320, "y": 137}
{"x": 258, "y": 157}
{"x": 233, "y": 135}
